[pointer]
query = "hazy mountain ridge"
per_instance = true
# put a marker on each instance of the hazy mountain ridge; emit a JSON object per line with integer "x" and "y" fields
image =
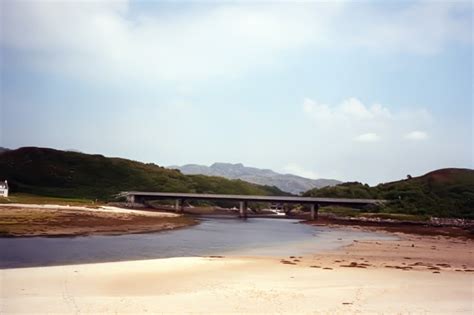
{"x": 57, "y": 173}
{"x": 286, "y": 182}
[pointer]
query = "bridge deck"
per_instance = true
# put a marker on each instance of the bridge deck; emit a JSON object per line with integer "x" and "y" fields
{"x": 255, "y": 198}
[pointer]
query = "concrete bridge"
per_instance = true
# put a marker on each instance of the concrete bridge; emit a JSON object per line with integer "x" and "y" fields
{"x": 314, "y": 203}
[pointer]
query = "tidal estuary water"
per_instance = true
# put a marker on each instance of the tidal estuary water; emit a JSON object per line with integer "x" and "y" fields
{"x": 214, "y": 236}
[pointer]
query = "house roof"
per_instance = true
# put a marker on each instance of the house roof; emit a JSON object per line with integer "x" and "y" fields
{"x": 4, "y": 185}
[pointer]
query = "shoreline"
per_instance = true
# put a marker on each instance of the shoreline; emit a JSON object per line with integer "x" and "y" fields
{"x": 123, "y": 226}
{"x": 23, "y": 221}
{"x": 418, "y": 228}
{"x": 414, "y": 273}
{"x": 103, "y": 233}
{"x": 365, "y": 276}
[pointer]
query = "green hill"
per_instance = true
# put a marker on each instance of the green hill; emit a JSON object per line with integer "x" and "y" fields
{"x": 50, "y": 172}
{"x": 445, "y": 193}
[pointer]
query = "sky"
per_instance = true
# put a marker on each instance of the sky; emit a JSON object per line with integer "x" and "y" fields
{"x": 366, "y": 91}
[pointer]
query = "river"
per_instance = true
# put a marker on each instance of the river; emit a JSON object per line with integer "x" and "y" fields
{"x": 213, "y": 236}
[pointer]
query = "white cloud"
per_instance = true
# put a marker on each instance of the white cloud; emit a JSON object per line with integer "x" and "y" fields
{"x": 355, "y": 109}
{"x": 351, "y": 111}
{"x": 308, "y": 105}
{"x": 320, "y": 112}
{"x": 106, "y": 40}
{"x": 373, "y": 141}
{"x": 416, "y": 135}
{"x": 189, "y": 44}
{"x": 295, "y": 169}
{"x": 367, "y": 137}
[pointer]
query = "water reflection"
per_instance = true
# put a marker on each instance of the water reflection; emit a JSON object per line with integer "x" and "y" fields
{"x": 214, "y": 236}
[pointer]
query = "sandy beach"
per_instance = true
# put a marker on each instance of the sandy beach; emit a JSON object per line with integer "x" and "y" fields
{"x": 414, "y": 274}
{"x": 99, "y": 209}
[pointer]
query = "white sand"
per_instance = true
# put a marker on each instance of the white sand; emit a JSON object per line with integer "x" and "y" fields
{"x": 223, "y": 285}
{"x": 440, "y": 280}
{"x": 96, "y": 209}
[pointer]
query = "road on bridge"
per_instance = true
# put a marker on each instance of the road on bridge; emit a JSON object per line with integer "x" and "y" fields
{"x": 315, "y": 203}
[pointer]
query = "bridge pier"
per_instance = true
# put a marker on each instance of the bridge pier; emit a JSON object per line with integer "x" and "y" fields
{"x": 314, "y": 211}
{"x": 134, "y": 200}
{"x": 179, "y": 205}
{"x": 131, "y": 199}
{"x": 243, "y": 210}
{"x": 134, "y": 197}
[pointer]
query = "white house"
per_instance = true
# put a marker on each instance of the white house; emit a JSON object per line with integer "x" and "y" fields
{"x": 4, "y": 189}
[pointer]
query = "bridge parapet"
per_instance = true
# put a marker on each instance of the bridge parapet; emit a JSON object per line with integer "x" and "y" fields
{"x": 315, "y": 203}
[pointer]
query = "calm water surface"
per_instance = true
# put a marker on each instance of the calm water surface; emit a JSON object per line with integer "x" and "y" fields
{"x": 214, "y": 236}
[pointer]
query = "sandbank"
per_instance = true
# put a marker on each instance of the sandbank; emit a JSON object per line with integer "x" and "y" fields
{"x": 414, "y": 274}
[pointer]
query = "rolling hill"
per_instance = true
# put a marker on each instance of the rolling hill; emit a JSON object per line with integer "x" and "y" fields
{"x": 445, "y": 193}
{"x": 58, "y": 173}
{"x": 49, "y": 172}
{"x": 2, "y": 149}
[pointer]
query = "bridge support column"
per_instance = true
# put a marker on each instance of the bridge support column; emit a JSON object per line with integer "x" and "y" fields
{"x": 314, "y": 211}
{"x": 179, "y": 205}
{"x": 131, "y": 199}
{"x": 243, "y": 209}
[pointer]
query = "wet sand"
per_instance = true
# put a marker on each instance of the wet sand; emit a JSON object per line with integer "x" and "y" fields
{"x": 54, "y": 220}
{"x": 415, "y": 274}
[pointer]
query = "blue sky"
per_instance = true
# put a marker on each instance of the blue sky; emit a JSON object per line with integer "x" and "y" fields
{"x": 366, "y": 91}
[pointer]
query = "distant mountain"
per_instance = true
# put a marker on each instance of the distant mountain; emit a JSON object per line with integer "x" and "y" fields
{"x": 50, "y": 172}
{"x": 2, "y": 149}
{"x": 286, "y": 182}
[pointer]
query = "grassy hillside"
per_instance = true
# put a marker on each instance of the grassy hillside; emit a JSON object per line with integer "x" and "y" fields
{"x": 444, "y": 193}
{"x": 57, "y": 173}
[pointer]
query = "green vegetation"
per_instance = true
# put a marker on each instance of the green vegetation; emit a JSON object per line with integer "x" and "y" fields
{"x": 34, "y": 199}
{"x": 66, "y": 174}
{"x": 63, "y": 177}
{"x": 443, "y": 193}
